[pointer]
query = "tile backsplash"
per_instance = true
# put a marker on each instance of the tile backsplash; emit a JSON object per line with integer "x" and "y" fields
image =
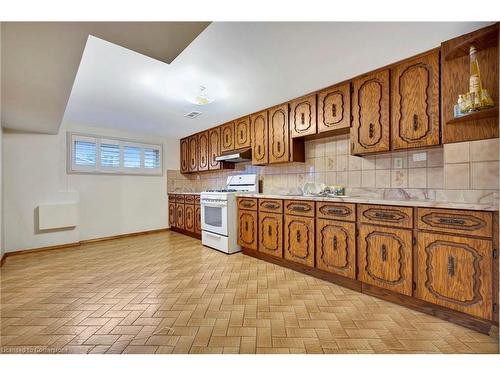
{"x": 458, "y": 172}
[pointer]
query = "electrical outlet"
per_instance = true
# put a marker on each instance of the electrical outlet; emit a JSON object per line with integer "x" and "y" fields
{"x": 398, "y": 163}
{"x": 420, "y": 156}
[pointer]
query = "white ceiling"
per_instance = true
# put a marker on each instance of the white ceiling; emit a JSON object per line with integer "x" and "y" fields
{"x": 245, "y": 67}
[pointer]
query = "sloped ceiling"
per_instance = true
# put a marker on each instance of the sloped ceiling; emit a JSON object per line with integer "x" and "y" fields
{"x": 40, "y": 61}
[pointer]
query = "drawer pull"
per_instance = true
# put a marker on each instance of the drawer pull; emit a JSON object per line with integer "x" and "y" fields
{"x": 269, "y": 231}
{"x": 371, "y": 130}
{"x": 334, "y": 211}
{"x": 298, "y": 236}
{"x": 334, "y": 110}
{"x": 247, "y": 204}
{"x": 300, "y": 208}
{"x": 385, "y": 215}
{"x": 384, "y": 253}
{"x": 451, "y": 266}
{"x": 451, "y": 221}
{"x": 334, "y": 243}
{"x": 271, "y": 205}
{"x": 415, "y": 121}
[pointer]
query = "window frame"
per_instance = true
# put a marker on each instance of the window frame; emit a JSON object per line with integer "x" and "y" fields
{"x": 72, "y": 168}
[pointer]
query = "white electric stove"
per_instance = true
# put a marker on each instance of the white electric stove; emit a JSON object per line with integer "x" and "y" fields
{"x": 218, "y": 212}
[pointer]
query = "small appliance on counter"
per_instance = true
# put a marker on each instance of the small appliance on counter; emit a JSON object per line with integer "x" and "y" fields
{"x": 218, "y": 212}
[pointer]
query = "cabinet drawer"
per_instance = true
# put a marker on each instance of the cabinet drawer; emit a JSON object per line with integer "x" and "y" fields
{"x": 474, "y": 223}
{"x": 300, "y": 208}
{"x": 271, "y": 205}
{"x": 393, "y": 216}
{"x": 179, "y": 198}
{"x": 189, "y": 199}
{"x": 247, "y": 204}
{"x": 336, "y": 211}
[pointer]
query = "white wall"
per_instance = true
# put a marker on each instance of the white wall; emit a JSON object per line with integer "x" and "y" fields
{"x": 35, "y": 172}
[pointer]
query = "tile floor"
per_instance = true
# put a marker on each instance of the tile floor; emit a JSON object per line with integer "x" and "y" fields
{"x": 165, "y": 293}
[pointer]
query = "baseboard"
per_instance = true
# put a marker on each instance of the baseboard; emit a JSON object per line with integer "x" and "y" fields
{"x": 187, "y": 233}
{"x": 79, "y": 243}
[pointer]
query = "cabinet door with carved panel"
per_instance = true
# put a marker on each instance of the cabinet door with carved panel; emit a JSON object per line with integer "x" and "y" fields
{"x": 370, "y": 110}
{"x": 259, "y": 126}
{"x": 303, "y": 116}
{"x": 179, "y": 215}
{"x": 171, "y": 212}
{"x": 385, "y": 258}
{"x": 213, "y": 148}
{"x": 203, "y": 151}
{"x": 247, "y": 229}
{"x": 197, "y": 219}
{"x": 184, "y": 155}
{"x": 334, "y": 108}
{"x": 189, "y": 221}
{"x": 242, "y": 133}
{"x": 278, "y": 135}
{"x": 455, "y": 272}
{"x": 299, "y": 239}
{"x": 336, "y": 247}
{"x": 227, "y": 137}
{"x": 271, "y": 234}
{"x": 193, "y": 153}
{"x": 415, "y": 102}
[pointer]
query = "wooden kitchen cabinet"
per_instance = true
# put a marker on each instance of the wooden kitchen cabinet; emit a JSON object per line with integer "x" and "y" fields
{"x": 179, "y": 215}
{"x": 370, "y": 108}
{"x": 184, "y": 147}
{"x": 213, "y": 148}
{"x": 299, "y": 239}
{"x": 247, "y": 229}
{"x": 455, "y": 272}
{"x": 227, "y": 137}
{"x": 303, "y": 116}
{"x": 197, "y": 219}
{"x": 171, "y": 211}
{"x": 334, "y": 108}
{"x": 271, "y": 234}
{"x": 242, "y": 133}
{"x": 189, "y": 219}
{"x": 336, "y": 247}
{"x": 193, "y": 153}
{"x": 385, "y": 258}
{"x": 259, "y": 127}
{"x": 279, "y": 138}
{"x": 203, "y": 151}
{"x": 415, "y": 102}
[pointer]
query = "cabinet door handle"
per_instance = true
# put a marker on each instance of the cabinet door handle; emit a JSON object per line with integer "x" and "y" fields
{"x": 334, "y": 243}
{"x": 371, "y": 130}
{"x": 451, "y": 266}
{"x": 258, "y": 150}
{"x": 334, "y": 110}
{"x": 227, "y": 138}
{"x": 279, "y": 147}
{"x": 302, "y": 118}
{"x": 298, "y": 236}
{"x": 415, "y": 121}
{"x": 384, "y": 253}
{"x": 246, "y": 226}
{"x": 241, "y": 134}
{"x": 269, "y": 231}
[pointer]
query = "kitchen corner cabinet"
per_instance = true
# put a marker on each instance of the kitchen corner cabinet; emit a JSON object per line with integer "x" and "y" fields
{"x": 370, "y": 108}
{"x": 227, "y": 137}
{"x": 385, "y": 258}
{"x": 242, "y": 133}
{"x": 278, "y": 135}
{"x": 303, "y": 116}
{"x": 415, "y": 102}
{"x": 184, "y": 149}
{"x": 193, "y": 153}
{"x": 203, "y": 151}
{"x": 259, "y": 127}
{"x": 247, "y": 228}
{"x": 334, "y": 108}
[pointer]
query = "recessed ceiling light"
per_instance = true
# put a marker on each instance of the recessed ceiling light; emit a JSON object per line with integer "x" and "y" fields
{"x": 201, "y": 98}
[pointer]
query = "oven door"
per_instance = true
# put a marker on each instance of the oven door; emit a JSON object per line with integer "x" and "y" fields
{"x": 214, "y": 216}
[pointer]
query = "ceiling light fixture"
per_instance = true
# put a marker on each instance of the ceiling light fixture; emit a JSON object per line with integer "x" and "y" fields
{"x": 202, "y": 98}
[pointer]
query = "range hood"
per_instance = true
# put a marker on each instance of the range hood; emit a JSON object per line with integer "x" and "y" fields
{"x": 237, "y": 156}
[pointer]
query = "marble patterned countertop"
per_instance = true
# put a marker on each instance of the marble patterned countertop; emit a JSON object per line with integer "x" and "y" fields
{"x": 392, "y": 202}
{"x": 183, "y": 193}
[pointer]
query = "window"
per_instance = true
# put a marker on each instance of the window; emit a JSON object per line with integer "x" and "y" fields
{"x": 92, "y": 154}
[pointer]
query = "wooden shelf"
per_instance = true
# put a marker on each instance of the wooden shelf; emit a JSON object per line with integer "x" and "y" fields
{"x": 479, "y": 115}
{"x": 484, "y": 40}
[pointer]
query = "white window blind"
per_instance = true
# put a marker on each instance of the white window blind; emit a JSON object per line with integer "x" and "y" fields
{"x": 93, "y": 154}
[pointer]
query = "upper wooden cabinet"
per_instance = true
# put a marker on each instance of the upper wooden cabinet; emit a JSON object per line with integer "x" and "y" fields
{"x": 227, "y": 137}
{"x": 370, "y": 108}
{"x": 303, "y": 116}
{"x": 184, "y": 155}
{"x": 334, "y": 108}
{"x": 279, "y": 138}
{"x": 213, "y": 148}
{"x": 242, "y": 133}
{"x": 415, "y": 102}
{"x": 203, "y": 151}
{"x": 259, "y": 126}
{"x": 193, "y": 153}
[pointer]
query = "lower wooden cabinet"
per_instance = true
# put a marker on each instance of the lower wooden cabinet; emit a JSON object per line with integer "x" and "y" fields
{"x": 271, "y": 234}
{"x": 171, "y": 214}
{"x": 385, "y": 258}
{"x": 179, "y": 215}
{"x": 247, "y": 229}
{"x": 299, "y": 239}
{"x": 455, "y": 272}
{"x": 197, "y": 219}
{"x": 189, "y": 220}
{"x": 336, "y": 247}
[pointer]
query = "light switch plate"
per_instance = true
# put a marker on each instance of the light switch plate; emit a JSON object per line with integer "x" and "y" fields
{"x": 398, "y": 163}
{"x": 420, "y": 156}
